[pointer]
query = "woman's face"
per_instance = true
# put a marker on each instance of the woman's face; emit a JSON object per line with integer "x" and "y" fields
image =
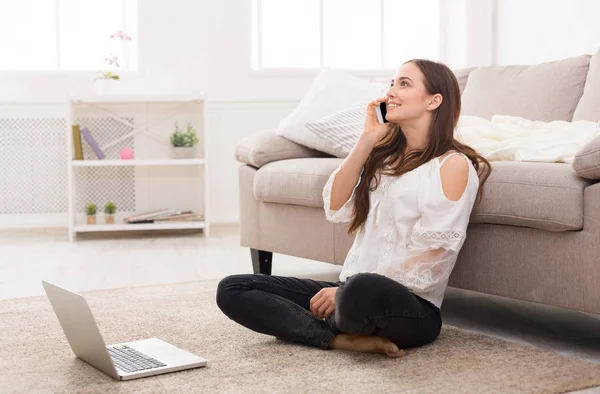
{"x": 407, "y": 98}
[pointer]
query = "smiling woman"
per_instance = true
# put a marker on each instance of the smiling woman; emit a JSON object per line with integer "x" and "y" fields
{"x": 407, "y": 189}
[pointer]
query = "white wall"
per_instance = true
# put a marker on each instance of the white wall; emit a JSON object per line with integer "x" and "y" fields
{"x": 206, "y": 44}
{"x": 467, "y": 32}
{"x": 536, "y": 31}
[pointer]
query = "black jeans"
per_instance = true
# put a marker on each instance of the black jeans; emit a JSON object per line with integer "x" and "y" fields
{"x": 365, "y": 304}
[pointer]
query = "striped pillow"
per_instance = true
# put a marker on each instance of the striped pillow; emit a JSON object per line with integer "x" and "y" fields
{"x": 342, "y": 129}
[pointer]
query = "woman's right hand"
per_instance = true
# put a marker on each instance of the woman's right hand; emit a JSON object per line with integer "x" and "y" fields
{"x": 374, "y": 131}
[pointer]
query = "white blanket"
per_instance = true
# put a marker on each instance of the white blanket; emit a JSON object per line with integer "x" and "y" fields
{"x": 518, "y": 139}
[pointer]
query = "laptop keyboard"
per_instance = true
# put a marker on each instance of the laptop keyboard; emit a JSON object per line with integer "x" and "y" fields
{"x": 130, "y": 360}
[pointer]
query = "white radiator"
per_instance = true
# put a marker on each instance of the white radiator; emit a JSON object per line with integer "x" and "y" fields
{"x": 33, "y": 169}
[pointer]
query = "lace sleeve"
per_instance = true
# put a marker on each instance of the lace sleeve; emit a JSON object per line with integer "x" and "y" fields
{"x": 428, "y": 260}
{"x": 344, "y": 214}
{"x": 436, "y": 238}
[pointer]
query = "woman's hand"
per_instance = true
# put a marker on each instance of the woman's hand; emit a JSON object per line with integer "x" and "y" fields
{"x": 374, "y": 131}
{"x": 322, "y": 304}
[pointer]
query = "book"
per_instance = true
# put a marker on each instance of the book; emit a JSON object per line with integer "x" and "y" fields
{"x": 172, "y": 214}
{"x": 163, "y": 215}
{"x": 77, "y": 148}
{"x": 87, "y": 136}
{"x": 148, "y": 217}
{"x": 186, "y": 217}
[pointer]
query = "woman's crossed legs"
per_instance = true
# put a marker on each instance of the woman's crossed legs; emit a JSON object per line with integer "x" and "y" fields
{"x": 372, "y": 312}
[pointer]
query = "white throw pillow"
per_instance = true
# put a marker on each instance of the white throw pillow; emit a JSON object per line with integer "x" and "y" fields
{"x": 342, "y": 129}
{"x": 331, "y": 91}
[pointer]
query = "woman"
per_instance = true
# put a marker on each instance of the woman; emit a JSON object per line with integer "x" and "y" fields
{"x": 407, "y": 189}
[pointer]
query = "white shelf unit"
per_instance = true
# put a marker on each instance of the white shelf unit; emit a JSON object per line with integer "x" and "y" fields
{"x": 83, "y": 228}
{"x": 152, "y": 180}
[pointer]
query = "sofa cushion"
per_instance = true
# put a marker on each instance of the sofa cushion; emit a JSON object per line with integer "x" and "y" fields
{"x": 546, "y": 196}
{"x": 265, "y": 146}
{"x": 588, "y": 107}
{"x": 342, "y": 129}
{"x": 295, "y": 181}
{"x": 548, "y": 91}
{"x": 462, "y": 76}
{"x": 587, "y": 160}
{"x": 331, "y": 91}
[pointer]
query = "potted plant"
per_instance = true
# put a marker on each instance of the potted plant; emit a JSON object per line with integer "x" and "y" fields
{"x": 107, "y": 78}
{"x": 90, "y": 211}
{"x": 183, "y": 142}
{"x": 109, "y": 213}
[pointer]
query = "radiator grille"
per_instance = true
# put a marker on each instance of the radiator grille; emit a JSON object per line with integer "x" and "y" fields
{"x": 33, "y": 170}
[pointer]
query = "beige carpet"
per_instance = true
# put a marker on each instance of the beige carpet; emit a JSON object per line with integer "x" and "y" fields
{"x": 35, "y": 356}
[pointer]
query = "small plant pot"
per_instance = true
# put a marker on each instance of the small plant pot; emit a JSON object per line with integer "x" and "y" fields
{"x": 104, "y": 86}
{"x": 183, "y": 152}
{"x": 109, "y": 218}
{"x": 91, "y": 219}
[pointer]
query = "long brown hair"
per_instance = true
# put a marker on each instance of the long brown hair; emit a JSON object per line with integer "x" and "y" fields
{"x": 390, "y": 151}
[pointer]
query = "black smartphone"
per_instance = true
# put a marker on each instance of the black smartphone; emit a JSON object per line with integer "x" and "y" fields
{"x": 381, "y": 112}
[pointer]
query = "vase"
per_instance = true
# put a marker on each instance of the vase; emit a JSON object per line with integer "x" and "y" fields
{"x": 109, "y": 218}
{"x": 104, "y": 86}
{"x": 183, "y": 152}
{"x": 91, "y": 219}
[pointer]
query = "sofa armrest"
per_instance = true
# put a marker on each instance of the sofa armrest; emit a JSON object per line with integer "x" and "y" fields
{"x": 587, "y": 160}
{"x": 591, "y": 209}
{"x": 265, "y": 146}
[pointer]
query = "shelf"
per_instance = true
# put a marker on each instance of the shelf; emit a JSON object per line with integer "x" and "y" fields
{"x": 124, "y": 99}
{"x": 115, "y": 119}
{"x": 136, "y": 162}
{"x": 88, "y": 228}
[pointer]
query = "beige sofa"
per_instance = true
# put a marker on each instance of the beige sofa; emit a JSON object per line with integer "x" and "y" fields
{"x": 536, "y": 234}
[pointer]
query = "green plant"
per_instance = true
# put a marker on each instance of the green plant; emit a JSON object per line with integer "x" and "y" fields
{"x": 108, "y": 75}
{"x": 110, "y": 208}
{"x": 187, "y": 138}
{"x": 90, "y": 209}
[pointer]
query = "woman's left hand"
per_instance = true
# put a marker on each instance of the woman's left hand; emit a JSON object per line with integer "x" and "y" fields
{"x": 322, "y": 304}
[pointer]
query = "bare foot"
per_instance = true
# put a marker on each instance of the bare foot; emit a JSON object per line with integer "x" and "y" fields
{"x": 367, "y": 344}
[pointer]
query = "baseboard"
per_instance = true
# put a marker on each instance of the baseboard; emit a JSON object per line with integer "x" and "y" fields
{"x": 46, "y": 220}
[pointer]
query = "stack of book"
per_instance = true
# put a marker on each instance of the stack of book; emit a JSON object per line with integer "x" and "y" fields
{"x": 84, "y": 132}
{"x": 163, "y": 215}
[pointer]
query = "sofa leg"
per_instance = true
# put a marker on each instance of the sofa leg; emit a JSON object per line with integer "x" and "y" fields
{"x": 261, "y": 261}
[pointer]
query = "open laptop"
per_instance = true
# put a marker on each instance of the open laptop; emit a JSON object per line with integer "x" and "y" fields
{"x": 123, "y": 361}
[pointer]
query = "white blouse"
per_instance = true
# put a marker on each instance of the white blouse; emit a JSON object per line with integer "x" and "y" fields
{"x": 413, "y": 232}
